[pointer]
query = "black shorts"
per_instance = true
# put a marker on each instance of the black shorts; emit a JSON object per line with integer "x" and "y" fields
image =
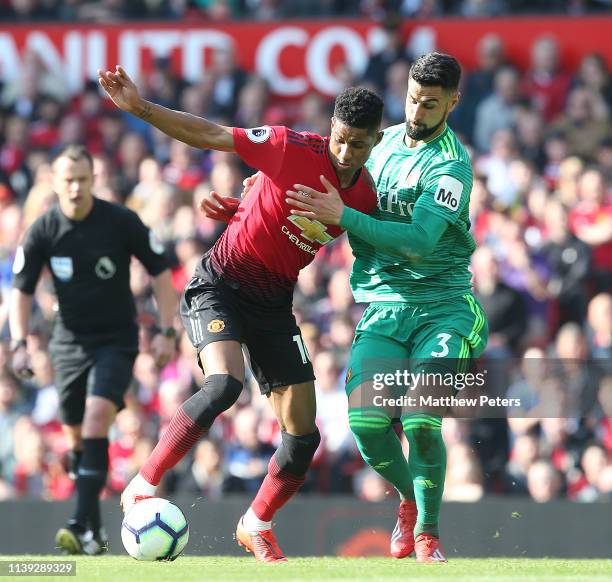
{"x": 83, "y": 370}
{"x": 213, "y": 311}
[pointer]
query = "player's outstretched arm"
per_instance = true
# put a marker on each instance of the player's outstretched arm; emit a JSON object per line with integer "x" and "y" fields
{"x": 190, "y": 129}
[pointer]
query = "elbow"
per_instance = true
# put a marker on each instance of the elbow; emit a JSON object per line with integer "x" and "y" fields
{"x": 416, "y": 255}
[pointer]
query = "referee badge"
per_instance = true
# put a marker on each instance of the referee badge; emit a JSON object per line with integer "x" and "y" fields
{"x": 216, "y": 325}
{"x": 62, "y": 268}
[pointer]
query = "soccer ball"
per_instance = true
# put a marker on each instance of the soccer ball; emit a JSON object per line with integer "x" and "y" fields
{"x": 154, "y": 529}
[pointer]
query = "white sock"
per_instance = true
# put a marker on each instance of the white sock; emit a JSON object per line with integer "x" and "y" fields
{"x": 252, "y": 523}
{"x": 143, "y": 486}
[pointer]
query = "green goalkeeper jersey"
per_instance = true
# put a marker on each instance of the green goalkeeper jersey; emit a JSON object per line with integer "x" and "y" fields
{"x": 435, "y": 177}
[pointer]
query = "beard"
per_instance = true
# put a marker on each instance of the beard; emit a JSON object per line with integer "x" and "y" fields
{"x": 421, "y": 133}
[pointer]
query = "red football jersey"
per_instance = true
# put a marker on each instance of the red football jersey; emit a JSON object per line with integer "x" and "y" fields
{"x": 265, "y": 246}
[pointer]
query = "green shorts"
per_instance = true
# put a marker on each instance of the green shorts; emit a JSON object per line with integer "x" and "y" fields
{"x": 439, "y": 335}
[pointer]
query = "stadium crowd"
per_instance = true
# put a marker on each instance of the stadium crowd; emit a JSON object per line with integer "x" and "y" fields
{"x": 541, "y": 211}
{"x": 219, "y": 10}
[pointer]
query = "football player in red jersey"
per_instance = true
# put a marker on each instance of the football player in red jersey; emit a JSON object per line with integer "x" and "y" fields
{"x": 242, "y": 289}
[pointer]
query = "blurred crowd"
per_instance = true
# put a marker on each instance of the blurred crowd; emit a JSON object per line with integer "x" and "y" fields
{"x": 220, "y": 10}
{"x": 541, "y": 212}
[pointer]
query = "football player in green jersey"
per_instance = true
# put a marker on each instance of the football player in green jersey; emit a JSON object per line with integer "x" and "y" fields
{"x": 411, "y": 265}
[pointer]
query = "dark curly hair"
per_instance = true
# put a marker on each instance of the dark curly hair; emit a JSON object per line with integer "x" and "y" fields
{"x": 359, "y": 107}
{"x": 437, "y": 70}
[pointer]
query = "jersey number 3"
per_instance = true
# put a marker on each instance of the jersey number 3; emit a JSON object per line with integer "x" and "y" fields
{"x": 443, "y": 343}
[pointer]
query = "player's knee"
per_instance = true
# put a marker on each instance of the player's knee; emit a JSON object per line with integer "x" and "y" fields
{"x": 220, "y": 392}
{"x": 98, "y": 419}
{"x": 296, "y": 452}
{"x": 366, "y": 427}
{"x": 424, "y": 436}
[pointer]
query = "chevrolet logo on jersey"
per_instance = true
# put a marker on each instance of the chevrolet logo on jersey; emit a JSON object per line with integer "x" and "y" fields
{"x": 312, "y": 230}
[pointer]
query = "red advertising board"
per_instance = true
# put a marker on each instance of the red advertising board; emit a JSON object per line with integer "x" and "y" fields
{"x": 294, "y": 56}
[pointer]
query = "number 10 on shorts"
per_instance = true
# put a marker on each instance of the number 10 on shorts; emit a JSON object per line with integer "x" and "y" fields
{"x": 302, "y": 347}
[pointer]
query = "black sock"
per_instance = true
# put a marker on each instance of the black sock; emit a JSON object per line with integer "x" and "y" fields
{"x": 91, "y": 478}
{"x": 74, "y": 459}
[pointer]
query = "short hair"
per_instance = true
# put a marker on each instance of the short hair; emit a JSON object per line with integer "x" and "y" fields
{"x": 75, "y": 152}
{"x": 359, "y": 107}
{"x": 437, "y": 70}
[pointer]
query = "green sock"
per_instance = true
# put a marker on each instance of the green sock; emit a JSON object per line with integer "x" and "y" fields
{"x": 427, "y": 461}
{"x": 380, "y": 447}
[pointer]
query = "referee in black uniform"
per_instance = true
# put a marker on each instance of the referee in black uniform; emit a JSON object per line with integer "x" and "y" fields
{"x": 87, "y": 244}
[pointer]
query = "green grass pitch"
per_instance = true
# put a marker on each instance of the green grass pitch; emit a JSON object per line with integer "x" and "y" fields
{"x": 212, "y": 569}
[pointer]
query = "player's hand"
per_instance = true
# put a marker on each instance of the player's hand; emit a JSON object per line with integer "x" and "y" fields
{"x": 327, "y": 207}
{"x": 22, "y": 366}
{"x": 247, "y": 184}
{"x": 218, "y": 207}
{"x": 120, "y": 88}
{"x": 163, "y": 349}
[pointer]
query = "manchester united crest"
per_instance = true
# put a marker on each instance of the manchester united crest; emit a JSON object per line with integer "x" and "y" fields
{"x": 349, "y": 373}
{"x": 216, "y": 325}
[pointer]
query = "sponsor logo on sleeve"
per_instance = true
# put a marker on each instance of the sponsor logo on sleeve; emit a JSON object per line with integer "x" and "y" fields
{"x": 156, "y": 246}
{"x": 62, "y": 268}
{"x": 259, "y": 134}
{"x": 448, "y": 193}
{"x": 19, "y": 262}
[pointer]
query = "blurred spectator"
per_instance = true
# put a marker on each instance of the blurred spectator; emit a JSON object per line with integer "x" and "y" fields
{"x": 593, "y": 462}
{"x": 498, "y": 110}
{"x": 544, "y": 482}
{"x": 495, "y": 165}
{"x": 247, "y": 459}
{"x": 599, "y": 331}
{"x": 395, "y": 94}
{"x": 478, "y": 84}
{"x": 591, "y": 222}
{"x": 569, "y": 261}
{"x": 313, "y": 115}
{"x": 580, "y": 379}
{"x": 593, "y": 74}
{"x": 370, "y": 486}
{"x": 545, "y": 83}
{"x": 529, "y": 127}
{"x": 228, "y": 81}
{"x": 528, "y": 388}
{"x": 391, "y": 51}
{"x": 505, "y": 308}
{"x": 523, "y": 455}
{"x": 463, "y": 475}
{"x": 207, "y": 475}
{"x": 585, "y": 122}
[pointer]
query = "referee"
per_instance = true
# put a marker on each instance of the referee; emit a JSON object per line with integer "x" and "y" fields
{"x": 87, "y": 244}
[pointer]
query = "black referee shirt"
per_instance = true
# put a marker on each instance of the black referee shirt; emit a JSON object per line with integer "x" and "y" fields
{"x": 90, "y": 264}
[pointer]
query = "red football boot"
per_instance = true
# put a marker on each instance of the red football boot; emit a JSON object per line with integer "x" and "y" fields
{"x": 262, "y": 544}
{"x": 402, "y": 538}
{"x": 428, "y": 550}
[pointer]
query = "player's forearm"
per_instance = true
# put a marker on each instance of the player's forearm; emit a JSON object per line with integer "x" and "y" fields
{"x": 190, "y": 129}
{"x": 19, "y": 314}
{"x": 166, "y": 298}
{"x": 413, "y": 241}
